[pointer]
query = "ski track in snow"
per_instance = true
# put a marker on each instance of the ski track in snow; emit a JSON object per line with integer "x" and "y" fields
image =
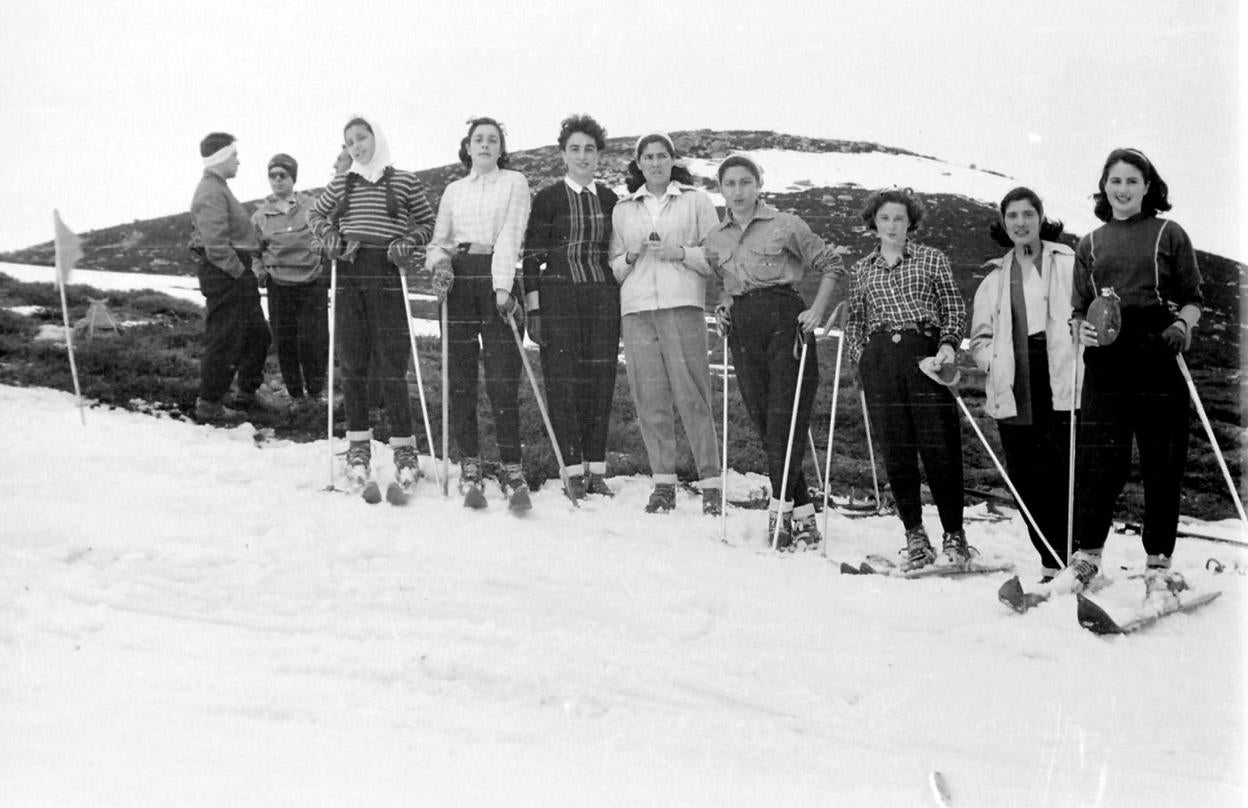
{"x": 187, "y": 618}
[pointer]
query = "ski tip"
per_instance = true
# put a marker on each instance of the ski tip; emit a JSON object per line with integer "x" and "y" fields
{"x": 1094, "y": 618}
{"x": 940, "y": 789}
{"x": 396, "y": 494}
{"x": 1011, "y": 594}
{"x": 849, "y": 569}
{"x": 371, "y": 493}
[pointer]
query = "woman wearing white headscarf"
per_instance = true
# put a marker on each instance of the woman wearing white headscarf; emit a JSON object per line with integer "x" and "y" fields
{"x": 373, "y": 219}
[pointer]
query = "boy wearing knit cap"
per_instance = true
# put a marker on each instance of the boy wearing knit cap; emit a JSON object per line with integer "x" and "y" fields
{"x": 290, "y": 264}
{"x": 236, "y": 337}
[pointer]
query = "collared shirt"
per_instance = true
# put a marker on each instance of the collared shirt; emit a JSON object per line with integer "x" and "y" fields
{"x": 1035, "y": 295}
{"x": 490, "y": 209}
{"x": 773, "y": 248}
{"x": 917, "y": 290}
{"x": 220, "y": 226}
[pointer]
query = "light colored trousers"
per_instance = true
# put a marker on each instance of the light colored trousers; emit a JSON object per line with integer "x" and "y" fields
{"x": 665, "y": 353}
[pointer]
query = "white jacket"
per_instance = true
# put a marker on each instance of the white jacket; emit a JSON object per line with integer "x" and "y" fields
{"x": 686, "y": 218}
{"x": 992, "y": 331}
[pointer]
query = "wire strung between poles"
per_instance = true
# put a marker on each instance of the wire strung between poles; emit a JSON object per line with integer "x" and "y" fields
{"x": 420, "y": 383}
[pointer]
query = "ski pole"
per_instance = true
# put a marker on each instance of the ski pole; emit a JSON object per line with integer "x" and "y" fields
{"x": 1001, "y": 469}
{"x": 814, "y": 451}
{"x": 1213, "y": 441}
{"x": 420, "y": 382}
{"x": 875, "y": 478}
{"x": 541, "y": 406}
{"x": 723, "y": 477}
{"x": 1070, "y": 460}
{"x": 788, "y": 449}
{"x": 446, "y": 420}
{"x": 836, "y": 389}
{"x": 329, "y": 386}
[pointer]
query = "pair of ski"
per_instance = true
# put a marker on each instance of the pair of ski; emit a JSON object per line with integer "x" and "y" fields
{"x": 882, "y": 565}
{"x": 370, "y": 490}
{"x": 518, "y": 501}
{"x": 1098, "y": 615}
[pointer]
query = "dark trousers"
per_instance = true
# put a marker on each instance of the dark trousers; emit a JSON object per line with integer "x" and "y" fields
{"x": 579, "y": 363}
{"x": 476, "y": 332}
{"x": 1037, "y": 457}
{"x": 764, "y": 327}
{"x": 1131, "y": 389}
{"x": 371, "y": 322}
{"x": 913, "y": 417}
{"x": 236, "y": 336}
{"x": 301, "y": 332}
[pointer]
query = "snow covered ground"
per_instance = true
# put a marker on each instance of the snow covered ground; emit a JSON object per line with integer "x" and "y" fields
{"x": 187, "y": 618}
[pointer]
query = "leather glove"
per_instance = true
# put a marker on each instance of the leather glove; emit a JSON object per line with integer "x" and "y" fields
{"x": 534, "y": 326}
{"x": 443, "y": 280}
{"x": 331, "y": 243}
{"x": 403, "y": 253}
{"x": 723, "y": 319}
{"x": 507, "y": 305}
{"x": 1177, "y": 337}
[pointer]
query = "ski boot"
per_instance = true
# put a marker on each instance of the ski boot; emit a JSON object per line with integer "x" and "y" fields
{"x": 470, "y": 483}
{"x": 597, "y": 484}
{"x": 511, "y": 478}
{"x": 918, "y": 552}
{"x": 784, "y": 541}
{"x": 406, "y": 466}
{"x": 955, "y": 549}
{"x": 662, "y": 498}
{"x": 806, "y": 530}
{"x": 712, "y": 502}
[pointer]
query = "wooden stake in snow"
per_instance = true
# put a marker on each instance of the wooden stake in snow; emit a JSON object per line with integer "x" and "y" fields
{"x": 68, "y": 253}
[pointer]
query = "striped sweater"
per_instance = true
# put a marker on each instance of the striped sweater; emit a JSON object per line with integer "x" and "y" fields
{"x": 367, "y": 220}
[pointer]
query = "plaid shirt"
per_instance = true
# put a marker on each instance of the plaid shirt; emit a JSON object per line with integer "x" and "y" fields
{"x": 484, "y": 209}
{"x": 918, "y": 290}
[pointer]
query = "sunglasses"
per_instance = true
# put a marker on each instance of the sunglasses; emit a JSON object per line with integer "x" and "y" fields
{"x": 278, "y": 175}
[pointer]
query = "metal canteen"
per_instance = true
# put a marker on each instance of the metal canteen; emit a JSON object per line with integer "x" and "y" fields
{"x": 1106, "y": 317}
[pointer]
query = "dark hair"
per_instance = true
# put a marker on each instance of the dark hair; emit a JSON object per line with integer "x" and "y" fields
{"x": 215, "y": 142}
{"x": 1050, "y": 230}
{"x": 1156, "y": 198}
{"x": 636, "y": 179}
{"x": 900, "y": 196}
{"x": 585, "y": 125}
{"x": 473, "y": 123}
{"x": 739, "y": 160}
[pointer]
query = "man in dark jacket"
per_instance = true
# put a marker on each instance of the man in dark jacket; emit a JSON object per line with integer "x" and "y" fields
{"x": 236, "y": 336}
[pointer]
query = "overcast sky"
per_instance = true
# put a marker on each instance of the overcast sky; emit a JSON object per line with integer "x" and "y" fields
{"x": 107, "y": 102}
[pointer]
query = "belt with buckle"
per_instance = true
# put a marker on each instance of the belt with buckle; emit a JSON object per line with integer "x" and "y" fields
{"x": 472, "y": 248}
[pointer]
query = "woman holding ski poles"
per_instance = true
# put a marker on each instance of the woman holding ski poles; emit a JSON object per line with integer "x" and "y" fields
{"x": 1133, "y": 387}
{"x": 1020, "y": 335}
{"x": 473, "y": 257}
{"x": 372, "y": 220}
{"x": 762, "y": 254}
{"x": 906, "y": 318}
{"x": 656, "y": 233}
{"x": 573, "y": 304}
